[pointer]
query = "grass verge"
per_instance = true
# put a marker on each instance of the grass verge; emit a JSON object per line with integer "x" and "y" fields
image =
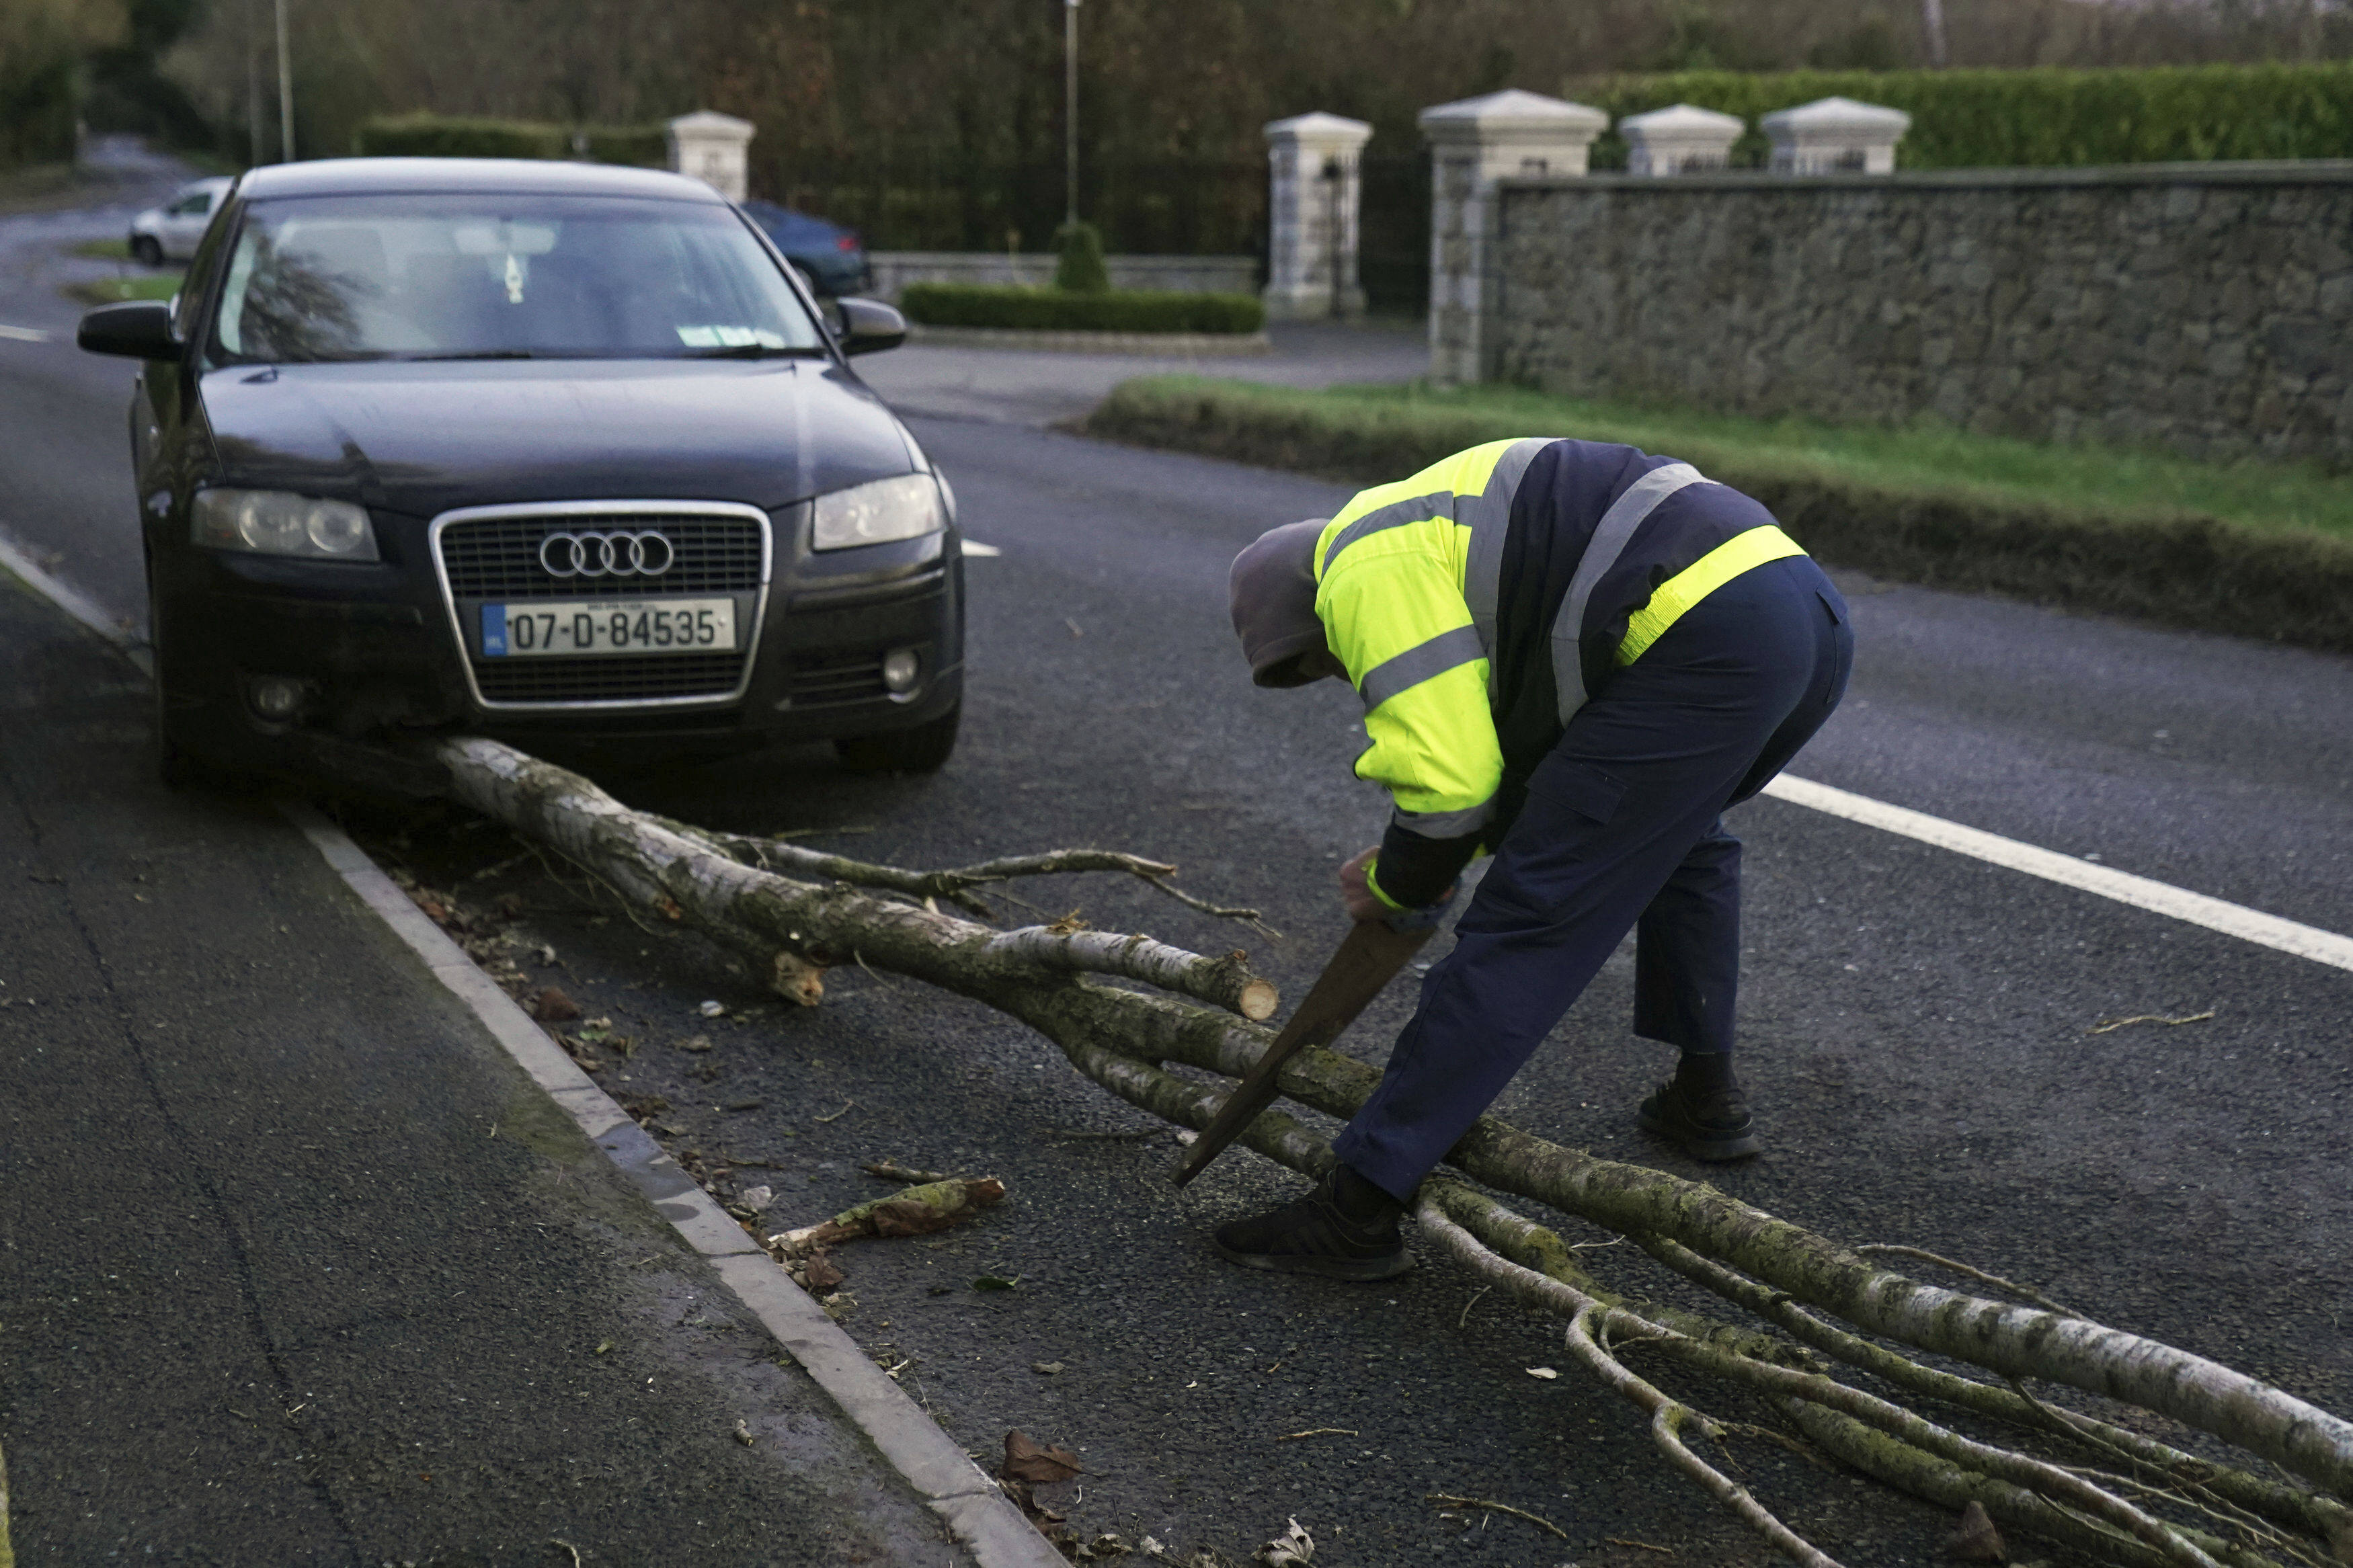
{"x": 115, "y": 290}
{"x": 2253, "y": 550}
{"x": 102, "y": 249}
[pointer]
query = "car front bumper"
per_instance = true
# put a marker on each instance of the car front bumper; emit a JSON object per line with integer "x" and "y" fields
{"x": 381, "y": 648}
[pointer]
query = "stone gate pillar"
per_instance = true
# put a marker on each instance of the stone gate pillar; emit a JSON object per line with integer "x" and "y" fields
{"x": 1680, "y": 140}
{"x": 1473, "y": 144}
{"x": 1835, "y": 136}
{"x": 1314, "y": 194}
{"x": 714, "y": 148}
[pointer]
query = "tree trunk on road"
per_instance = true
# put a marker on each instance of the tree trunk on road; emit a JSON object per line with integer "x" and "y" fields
{"x": 887, "y": 918}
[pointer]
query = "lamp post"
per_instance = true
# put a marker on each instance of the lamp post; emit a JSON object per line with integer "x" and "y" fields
{"x": 285, "y": 92}
{"x": 253, "y": 83}
{"x": 1070, "y": 110}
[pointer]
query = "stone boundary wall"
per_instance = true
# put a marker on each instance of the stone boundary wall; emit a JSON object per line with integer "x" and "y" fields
{"x": 2206, "y": 308}
{"x": 894, "y": 270}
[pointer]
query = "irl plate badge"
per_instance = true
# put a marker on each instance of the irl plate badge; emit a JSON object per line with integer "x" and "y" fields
{"x": 494, "y": 631}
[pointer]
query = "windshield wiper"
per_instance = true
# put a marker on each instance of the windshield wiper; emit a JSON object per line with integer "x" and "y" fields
{"x": 478, "y": 353}
{"x": 755, "y": 351}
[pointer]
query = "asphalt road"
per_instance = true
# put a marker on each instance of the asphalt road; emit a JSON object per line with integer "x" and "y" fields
{"x": 1916, "y": 1027}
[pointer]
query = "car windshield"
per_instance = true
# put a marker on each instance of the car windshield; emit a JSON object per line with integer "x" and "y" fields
{"x": 501, "y": 277}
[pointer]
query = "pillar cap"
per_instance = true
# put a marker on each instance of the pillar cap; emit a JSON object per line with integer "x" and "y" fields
{"x": 1335, "y": 129}
{"x": 1837, "y": 116}
{"x": 1514, "y": 115}
{"x": 710, "y": 122}
{"x": 1682, "y": 120}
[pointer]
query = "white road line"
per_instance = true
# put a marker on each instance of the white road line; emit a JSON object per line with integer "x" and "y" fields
{"x": 23, "y": 334}
{"x": 2161, "y": 898}
{"x": 980, "y": 550}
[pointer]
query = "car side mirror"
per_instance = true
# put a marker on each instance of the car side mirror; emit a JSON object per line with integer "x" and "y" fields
{"x": 139, "y": 329}
{"x": 867, "y": 325}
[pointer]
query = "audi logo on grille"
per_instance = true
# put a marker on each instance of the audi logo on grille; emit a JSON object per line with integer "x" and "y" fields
{"x": 641, "y": 553}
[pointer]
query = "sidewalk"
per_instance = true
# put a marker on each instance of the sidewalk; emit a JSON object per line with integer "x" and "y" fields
{"x": 296, "y": 1266}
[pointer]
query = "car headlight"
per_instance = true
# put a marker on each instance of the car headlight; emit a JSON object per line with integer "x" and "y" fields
{"x": 272, "y": 523}
{"x": 905, "y": 507}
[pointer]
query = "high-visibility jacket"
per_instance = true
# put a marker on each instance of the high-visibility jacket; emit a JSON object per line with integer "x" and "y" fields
{"x": 1478, "y": 604}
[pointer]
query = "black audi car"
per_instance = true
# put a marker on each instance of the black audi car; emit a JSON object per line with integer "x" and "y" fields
{"x": 547, "y": 451}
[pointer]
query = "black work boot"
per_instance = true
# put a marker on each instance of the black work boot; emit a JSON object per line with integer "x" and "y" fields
{"x": 1344, "y": 1227}
{"x": 1702, "y": 1111}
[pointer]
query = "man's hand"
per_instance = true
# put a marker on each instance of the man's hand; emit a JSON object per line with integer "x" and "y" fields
{"x": 1363, "y": 904}
{"x": 1358, "y": 897}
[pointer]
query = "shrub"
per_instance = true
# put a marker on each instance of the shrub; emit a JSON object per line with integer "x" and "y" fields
{"x": 435, "y": 136}
{"x": 1079, "y": 266}
{"x": 2039, "y": 117}
{"x": 432, "y": 136}
{"x": 1053, "y": 309}
{"x": 646, "y": 146}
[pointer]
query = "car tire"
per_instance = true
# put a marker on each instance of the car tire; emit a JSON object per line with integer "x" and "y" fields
{"x": 924, "y": 749}
{"x": 146, "y": 250}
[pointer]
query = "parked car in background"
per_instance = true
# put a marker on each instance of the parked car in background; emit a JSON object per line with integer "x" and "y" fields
{"x": 830, "y": 256}
{"x": 169, "y": 233}
{"x": 552, "y": 452}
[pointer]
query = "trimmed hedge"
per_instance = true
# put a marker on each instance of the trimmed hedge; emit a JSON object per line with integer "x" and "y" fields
{"x": 437, "y": 136}
{"x": 1049, "y": 309}
{"x": 2281, "y": 586}
{"x": 642, "y": 146}
{"x": 2044, "y": 116}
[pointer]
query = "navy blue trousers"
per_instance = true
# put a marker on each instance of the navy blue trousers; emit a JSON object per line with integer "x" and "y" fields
{"x": 1622, "y": 828}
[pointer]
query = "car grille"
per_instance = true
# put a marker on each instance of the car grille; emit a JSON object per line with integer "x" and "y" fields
{"x": 498, "y": 558}
{"x": 830, "y": 682}
{"x": 611, "y": 679}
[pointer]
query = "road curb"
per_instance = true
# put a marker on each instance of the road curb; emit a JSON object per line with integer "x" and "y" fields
{"x": 975, "y": 1511}
{"x": 73, "y": 602}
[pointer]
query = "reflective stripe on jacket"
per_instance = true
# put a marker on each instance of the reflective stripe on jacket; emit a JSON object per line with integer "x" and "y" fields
{"x": 1477, "y": 606}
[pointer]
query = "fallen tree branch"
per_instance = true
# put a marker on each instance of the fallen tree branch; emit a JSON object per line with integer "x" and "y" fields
{"x": 1450, "y": 1501}
{"x": 2313, "y": 1515}
{"x": 1116, "y": 1036}
{"x": 1891, "y": 1460}
{"x": 2010, "y": 1340}
{"x": 911, "y": 1211}
{"x": 1667, "y": 1416}
{"x": 1785, "y": 1383}
{"x": 1222, "y": 981}
{"x": 2023, "y": 1292}
{"x": 960, "y": 885}
{"x": 1444, "y": 1204}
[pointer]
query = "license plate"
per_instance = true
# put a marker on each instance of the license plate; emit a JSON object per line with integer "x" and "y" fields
{"x": 573, "y": 627}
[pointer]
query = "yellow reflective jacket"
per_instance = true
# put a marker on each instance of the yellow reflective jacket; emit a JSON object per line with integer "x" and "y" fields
{"x": 1479, "y": 603}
